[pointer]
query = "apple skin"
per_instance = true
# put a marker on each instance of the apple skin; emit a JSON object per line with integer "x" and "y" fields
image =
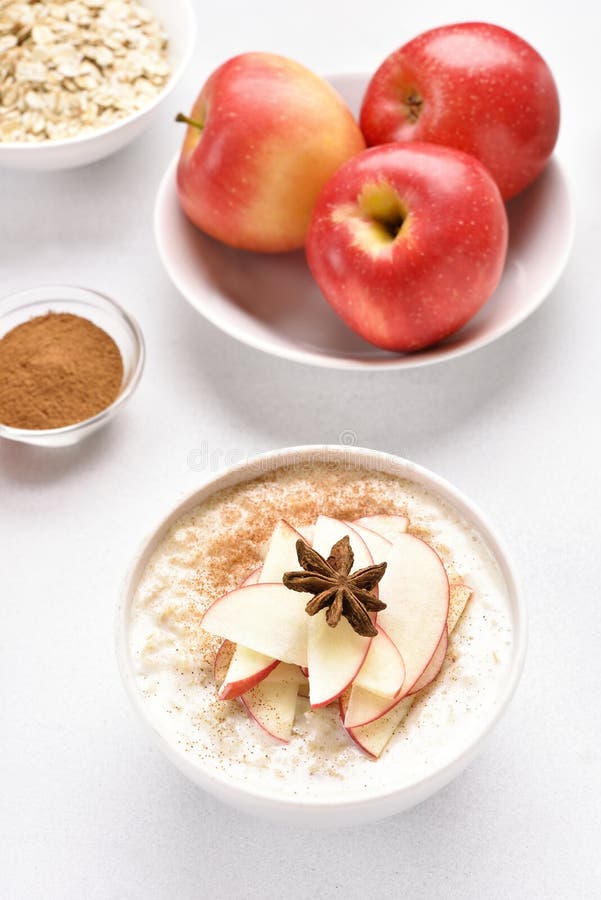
{"x": 253, "y": 578}
{"x": 473, "y": 86}
{"x": 272, "y": 134}
{"x": 408, "y": 291}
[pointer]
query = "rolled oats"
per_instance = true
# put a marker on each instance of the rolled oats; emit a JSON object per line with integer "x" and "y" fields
{"x": 69, "y": 67}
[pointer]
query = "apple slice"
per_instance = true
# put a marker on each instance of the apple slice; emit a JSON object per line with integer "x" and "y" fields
{"x": 434, "y": 666}
{"x": 284, "y": 672}
{"x": 415, "y": 588}
{"x": 364, "y": 706}
{"x": 272, "y": 704}
{"x": 267, "y": 618}
{"x": 303, "y": 690}
{"x": 280, "y": 672}
{"x": 253, "y": 578}
{"x": 388, "y": 526}
{"x": 383, "y": 671}
{"x": 281, "y": 553}
{"x": 378, "y": 546}
{"x": 307, "y": 532}
{"x": 459, "y": 596}
{"x": 247, "y": 666}
{"x": 374, "y": 737}
{"x": 222, "y": 662}
{"x": 334, "y": 655}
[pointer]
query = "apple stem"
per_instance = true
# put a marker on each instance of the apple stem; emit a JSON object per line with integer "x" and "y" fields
{"x": 180, "y": 117}
{"x": 414, "y": 106}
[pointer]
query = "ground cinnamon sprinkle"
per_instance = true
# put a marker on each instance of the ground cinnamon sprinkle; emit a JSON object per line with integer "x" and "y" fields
{"x": 57, "y": 370}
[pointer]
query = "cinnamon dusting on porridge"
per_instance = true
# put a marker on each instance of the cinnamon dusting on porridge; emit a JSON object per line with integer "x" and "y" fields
{"x": 211, "y": 550}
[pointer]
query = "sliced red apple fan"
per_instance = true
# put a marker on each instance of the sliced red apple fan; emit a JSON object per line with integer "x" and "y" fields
{"x": 358, "y": 613}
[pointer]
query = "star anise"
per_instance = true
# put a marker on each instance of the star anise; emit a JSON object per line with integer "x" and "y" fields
{"x": 333, "y": 587}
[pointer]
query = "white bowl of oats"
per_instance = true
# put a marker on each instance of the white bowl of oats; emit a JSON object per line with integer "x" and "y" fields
{"x": 260, "y": 738}
{"x": 79, "y": 79}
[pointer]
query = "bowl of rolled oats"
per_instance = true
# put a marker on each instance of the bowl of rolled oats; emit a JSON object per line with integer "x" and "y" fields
{"x": 79, "y": 79}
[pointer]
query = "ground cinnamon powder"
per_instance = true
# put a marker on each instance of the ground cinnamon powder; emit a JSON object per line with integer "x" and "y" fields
{"x": 56, "y": 370}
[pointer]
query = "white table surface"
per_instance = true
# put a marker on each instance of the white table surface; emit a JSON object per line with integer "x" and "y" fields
{"x": 89, "y": 809}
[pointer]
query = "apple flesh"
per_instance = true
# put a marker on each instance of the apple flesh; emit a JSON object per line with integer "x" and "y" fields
{"x": 222, "y": 662}
{"x": 286, "y": 673}
{"x": 264, "y": 136}
{"x": 253, "y": 578}
{"x": 272, "y": 705}
{"x": 383, "y": 670}
{"x": 472, "y": 86}
{"x": 281, "y": 553}
{"x": 434, "y": 666}
{"x": 407, "y": 242}
{"x": 267, "y": 618}
{"x": 378, "y": 546}
{"x": 335, "y": 655}
{"x": 460, "y": 596}
{"x": 247, "y": 668}
{"x": 388, "y": 526}
{"x": 280, "y": 672}
{"x": 307, "y": 532}
{"x": 373, "y": 738}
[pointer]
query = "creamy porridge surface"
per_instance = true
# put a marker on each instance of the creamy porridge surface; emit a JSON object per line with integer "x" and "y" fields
{"x": 214, "y": 547}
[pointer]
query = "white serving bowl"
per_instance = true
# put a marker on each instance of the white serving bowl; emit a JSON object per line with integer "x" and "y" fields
{"x": 271, "y": 302}
{"x": 177, "y": 18}
{"x": 346, "y": 808}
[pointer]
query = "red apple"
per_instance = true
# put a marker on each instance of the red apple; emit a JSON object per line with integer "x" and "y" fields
{"x": 407, "y": 242}
{"x": 473, "y": 86}
{"x": 264, "y": 136}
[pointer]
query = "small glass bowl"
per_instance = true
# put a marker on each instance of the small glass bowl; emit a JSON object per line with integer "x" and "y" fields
{"x": 104, "y": 313}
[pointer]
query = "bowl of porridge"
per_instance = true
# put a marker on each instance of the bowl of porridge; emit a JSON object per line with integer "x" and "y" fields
{"x": 322, "y": 635}
{"x": 80, "y": 79}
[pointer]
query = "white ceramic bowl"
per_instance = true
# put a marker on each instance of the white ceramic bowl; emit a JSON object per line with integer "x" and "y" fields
{"x": 345, "y": 809}
{"x": 177, "y": 18}
{"x": 272, "y": 303}
{"x": 103, "y": 312}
